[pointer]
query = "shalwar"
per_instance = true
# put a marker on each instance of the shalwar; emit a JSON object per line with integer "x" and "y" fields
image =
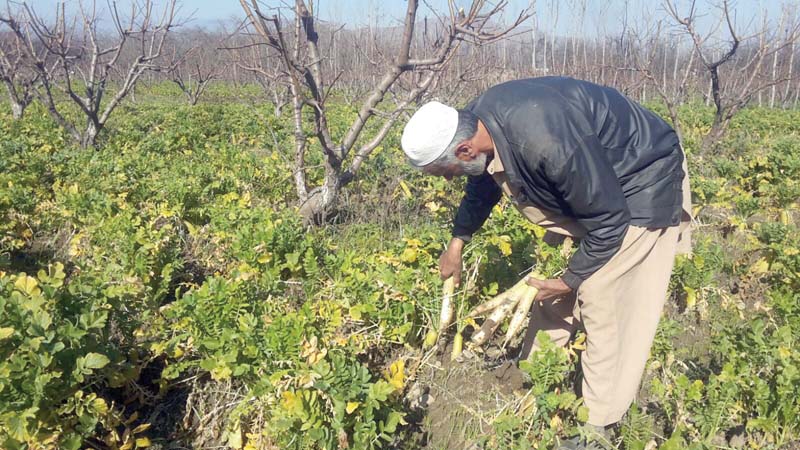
{"x": 619, "y": 306}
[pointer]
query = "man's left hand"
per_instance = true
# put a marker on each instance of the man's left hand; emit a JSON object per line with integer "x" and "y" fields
{"x": 549, "y": 289}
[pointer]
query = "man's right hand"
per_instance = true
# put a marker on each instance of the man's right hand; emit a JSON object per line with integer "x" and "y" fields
{"x": 450, "y": 261}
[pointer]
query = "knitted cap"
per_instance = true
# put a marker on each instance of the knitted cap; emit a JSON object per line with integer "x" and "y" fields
{"x": 429, "y": 132}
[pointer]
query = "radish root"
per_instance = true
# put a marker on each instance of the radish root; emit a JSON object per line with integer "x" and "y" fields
{"x": 518, "y": 299}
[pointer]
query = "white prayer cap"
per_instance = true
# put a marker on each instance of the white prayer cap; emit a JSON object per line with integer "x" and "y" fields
{"x": 429, "y": 132}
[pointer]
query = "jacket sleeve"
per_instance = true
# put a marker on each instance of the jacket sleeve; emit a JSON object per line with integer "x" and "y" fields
{"x": 481, "y": 193}
{"x": 578, "y": 172}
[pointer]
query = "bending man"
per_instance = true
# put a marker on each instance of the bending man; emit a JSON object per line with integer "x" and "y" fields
{"x": 584, "y": 161}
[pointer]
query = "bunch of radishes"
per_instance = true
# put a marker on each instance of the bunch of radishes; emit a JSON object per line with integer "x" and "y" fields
{"x": 518, "y": 299}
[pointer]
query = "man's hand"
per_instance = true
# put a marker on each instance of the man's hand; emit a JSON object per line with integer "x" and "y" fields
{"x": 549, "y": 289}
{"x": 450, "y": 261}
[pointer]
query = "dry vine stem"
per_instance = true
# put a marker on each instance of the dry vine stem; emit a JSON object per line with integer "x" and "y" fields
{"x": 521, "y": 296}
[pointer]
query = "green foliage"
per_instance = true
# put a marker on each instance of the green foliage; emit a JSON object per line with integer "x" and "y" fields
{"x": 550, "y": 409}
{"x": 177, "y": 241}
{"x": 48, "y": 352}
{"x": 744, "y": 383}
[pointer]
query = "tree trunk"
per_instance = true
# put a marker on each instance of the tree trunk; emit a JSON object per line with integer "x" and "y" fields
{"x": 673, "y": 116}
{"x": 715, "y": 134}
{"x": 89, "y": 137}
{"x": 603, "y": 65}
{"x": 533, "y": 50}
{"x": 774, "y": 88}
{"x": 18, "y": 102}
{"x": 17, "y": 110}
{"x": 789, "y": 78}
{"x": 321, "y": 202}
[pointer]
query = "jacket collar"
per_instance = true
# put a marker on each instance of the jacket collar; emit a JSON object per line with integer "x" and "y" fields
{"x": 495, "y": 165}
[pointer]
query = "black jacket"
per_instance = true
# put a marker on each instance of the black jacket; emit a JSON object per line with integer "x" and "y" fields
{"x": 584, "y": 151}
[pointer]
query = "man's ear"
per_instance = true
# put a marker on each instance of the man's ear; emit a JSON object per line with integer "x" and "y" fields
{"x": 466, "y": 152}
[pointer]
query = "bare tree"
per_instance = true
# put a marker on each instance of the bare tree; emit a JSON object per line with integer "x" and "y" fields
{"x": 252, "y": 56}
{"x": 15, "y": 72}
{"x": 646, "y": 58}
{"x": 301, "y": 55}
{"x": 731, "y": 94}
{"x": 86, "y": 60}
{"x": 197, "y": 67}
{"x": 792, "y": 17}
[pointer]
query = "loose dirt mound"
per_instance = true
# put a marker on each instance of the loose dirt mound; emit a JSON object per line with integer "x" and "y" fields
{"x": 456, "y": 402}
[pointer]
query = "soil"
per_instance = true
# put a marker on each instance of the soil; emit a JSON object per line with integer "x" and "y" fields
{"x": 456, "y": 401}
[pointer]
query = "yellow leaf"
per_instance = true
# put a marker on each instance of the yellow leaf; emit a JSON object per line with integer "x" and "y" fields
{"x": 142, "y": 442}
{"x": 406, "y": 190}
{"x": 760, "y": 266}
{"x": 244, "y": 202}
{"x": 433, "y": 206}
{"x": 141, "y": 428}
{"x": 235, "y": 438}
{"x": 252, "y": 441}
{"x": 101, "y": 406}
{"x": 409, "y": 255}
{"x": 317, "y": 356}
{"x": 351, "y": 406}
{"x": 289, "y": 400}
{"x": 6, "y": 332}
{"x": 396, "y": 374}
{"x": 75, "y": 245}
{"x": 413, "y": 243}
{"x": 27, "y": 285}
{"x": 221, "y": 373}
{"x": 190, "y": 228}
{"x": 503, "y": 244}
{"x": 691, "y": 297}
{"x": 785, "y": 218}
{"x": 579, "y": 344}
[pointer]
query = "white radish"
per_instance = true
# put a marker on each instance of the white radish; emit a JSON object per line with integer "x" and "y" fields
{"x": 493, "y": 321}
{"x": 521, "y": 313}
{"x": 498, "y": 300}
{"x": 448, "y": 308}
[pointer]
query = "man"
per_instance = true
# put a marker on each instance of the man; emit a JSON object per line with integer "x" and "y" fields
{"x": 581, "y": 160}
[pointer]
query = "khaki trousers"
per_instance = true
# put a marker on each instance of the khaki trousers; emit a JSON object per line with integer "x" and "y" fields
{"x": 619, "y": 306}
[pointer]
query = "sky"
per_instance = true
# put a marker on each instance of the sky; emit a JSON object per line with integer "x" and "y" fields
{"x": 602, "y": 17}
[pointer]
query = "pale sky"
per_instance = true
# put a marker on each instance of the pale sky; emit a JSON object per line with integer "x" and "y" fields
{"x": 602, "y": 16}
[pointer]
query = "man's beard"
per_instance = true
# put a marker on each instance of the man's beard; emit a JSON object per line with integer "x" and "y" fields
{"x": 475, "y": 167}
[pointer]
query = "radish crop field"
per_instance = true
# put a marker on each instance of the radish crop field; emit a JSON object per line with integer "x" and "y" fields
{"x": 161, "y": 291}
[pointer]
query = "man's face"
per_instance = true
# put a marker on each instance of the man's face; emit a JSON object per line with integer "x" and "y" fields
{"x": 448, "y": 172}
{"x": 459, "y": 168}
